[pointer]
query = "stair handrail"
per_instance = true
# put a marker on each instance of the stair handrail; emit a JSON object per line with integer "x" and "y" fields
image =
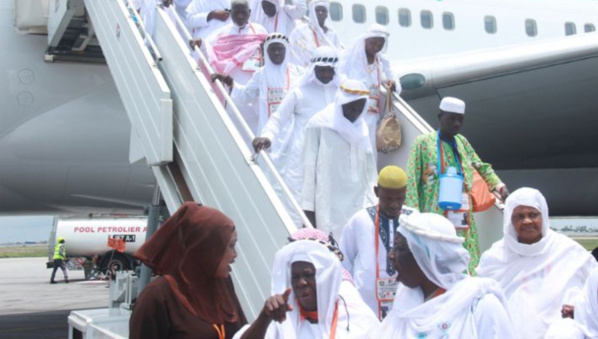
{"x": 242, "y": 123}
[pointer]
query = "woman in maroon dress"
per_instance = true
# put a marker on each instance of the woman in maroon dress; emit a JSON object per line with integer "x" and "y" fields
{"x": 194, "y": 296}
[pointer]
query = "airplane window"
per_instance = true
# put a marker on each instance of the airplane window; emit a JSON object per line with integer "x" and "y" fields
{"x": 404, "y": 17}
{"x": 427, "y": 19}
{"x": 490, "y": 24}
{"x": 359, "y": 13}
{"x": 448, "y": 21}
{"x": 531, "y": 29}
{"x": 570, "y": 28}
{"x": 382, "y": 15}
{"x": 336, "y": 11}
{"x": 589, "y": 28}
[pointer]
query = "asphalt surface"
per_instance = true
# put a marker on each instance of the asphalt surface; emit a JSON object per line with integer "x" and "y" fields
{"x": 31, "y": 307}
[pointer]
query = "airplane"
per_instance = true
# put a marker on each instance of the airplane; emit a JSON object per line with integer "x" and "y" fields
{"x": 527, "y": 71}
{"x": 105, "y": 139}
{"x": 64, "y": 135}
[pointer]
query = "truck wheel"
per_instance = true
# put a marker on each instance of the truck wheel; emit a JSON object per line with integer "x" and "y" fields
{"x": 115, "y": 262}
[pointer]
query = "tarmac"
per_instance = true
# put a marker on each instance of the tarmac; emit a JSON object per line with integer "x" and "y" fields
{"x": 31, "y": 307}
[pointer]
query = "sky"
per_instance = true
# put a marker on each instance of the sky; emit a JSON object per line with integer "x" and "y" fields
{"x": 25, "y": 228}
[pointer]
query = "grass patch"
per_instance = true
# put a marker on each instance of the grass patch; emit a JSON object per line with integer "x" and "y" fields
{"x": 588, "y": 243}
{"x": 24, "y": 251}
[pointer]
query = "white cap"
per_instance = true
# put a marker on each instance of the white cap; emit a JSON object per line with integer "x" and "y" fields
{"x": 452, "y": 105}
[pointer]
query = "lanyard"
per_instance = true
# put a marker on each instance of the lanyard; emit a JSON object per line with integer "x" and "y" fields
{"x": 441, "y": 156}
{"x": 276, "y": 23}
{"x": 377, "y": 246}
{"x": 377, "y": 243}
{"x": 334, "y": 321}
{"x": 221, "y": 332}
{"x": 315, "y": 38}
{"x": 250, "y": 27}
{"x": 317, "y": 317}
{"x": 372, "y": 97}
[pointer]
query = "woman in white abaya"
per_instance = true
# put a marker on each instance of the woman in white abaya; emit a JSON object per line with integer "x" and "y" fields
{"x": 538, "y": 269}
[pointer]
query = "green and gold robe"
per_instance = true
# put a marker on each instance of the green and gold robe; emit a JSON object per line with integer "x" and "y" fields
{"x": 423, "y": 181}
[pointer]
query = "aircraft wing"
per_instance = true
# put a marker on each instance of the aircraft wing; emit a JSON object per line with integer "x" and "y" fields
{"x": 531, "y": 109}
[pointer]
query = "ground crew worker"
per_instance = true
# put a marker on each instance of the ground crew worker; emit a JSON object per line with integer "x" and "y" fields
{"x": 59, "y": 260}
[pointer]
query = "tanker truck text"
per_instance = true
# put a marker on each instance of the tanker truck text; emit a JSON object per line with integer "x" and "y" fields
{"x": 108, "y": 229}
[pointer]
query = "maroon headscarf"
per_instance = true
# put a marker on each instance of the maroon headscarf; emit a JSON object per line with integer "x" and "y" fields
{"x": 186, "y": 250}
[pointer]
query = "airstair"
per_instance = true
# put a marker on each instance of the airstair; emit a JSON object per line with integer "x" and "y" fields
{"x": 198, "y": 145}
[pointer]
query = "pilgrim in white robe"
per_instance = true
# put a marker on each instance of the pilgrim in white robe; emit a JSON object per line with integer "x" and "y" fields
{"x": 269, "y": 84}
{"x": 537, "y": 279}
{"x": 358, "y": 244}
{"x": 354, "y": 65}
{"x": 354, "y": 318}
{"x": 305, "y": 38}
{"x": 300, "y": 104}
{"x": 197, "y": 17}
{"x": 284, "y": 20}
{"x": 339, "y": 167}
{"x": 466, "y": 307}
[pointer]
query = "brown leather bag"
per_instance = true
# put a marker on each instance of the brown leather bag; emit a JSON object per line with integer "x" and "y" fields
{"x": 481, "y": 197}
{"x": 388, "y": 134}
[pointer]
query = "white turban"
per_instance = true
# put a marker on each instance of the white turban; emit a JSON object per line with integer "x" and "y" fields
{"x": 276, "y": 75}
{"x": 436, "y": 247}
{"x": 323, "y": 56}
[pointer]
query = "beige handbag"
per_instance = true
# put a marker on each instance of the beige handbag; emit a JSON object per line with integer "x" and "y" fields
{"x": 388, "y": 135}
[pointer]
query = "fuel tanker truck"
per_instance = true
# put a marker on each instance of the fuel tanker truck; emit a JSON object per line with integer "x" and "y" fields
{"x": 98, "y": 245}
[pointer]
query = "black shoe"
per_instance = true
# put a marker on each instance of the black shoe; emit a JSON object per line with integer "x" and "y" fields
{"x": 66, "y": 281}
{"x": 52, "y": 282}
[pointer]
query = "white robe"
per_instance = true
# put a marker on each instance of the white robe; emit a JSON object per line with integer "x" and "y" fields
{"x": 197, "y": 17}
{"x": 354, "y": 321}
{"x": 354, "y": 65}
{"x": 257, "y": 88}
{"x": 378, "y": 73}
{"x": 338, "y": 177}
{"x": 359, "y": 320}
{"x": 304, "y": 42}
{"x": 472, "y": 308}
{"x": 300, "y": 104}
{"x": 538, "y": 278}
{"x": 359, "y": 249}
{"x": 284, "y": 20}
{"x": 536, "y": 287}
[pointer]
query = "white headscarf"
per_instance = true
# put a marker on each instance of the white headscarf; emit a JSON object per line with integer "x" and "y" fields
{"x": 354, "y": 63}
{"x": 315, "y": 24}
{"x": 539, "y": 278}
{"x": 276, "y": 75}
{"x": 436, "y": 247}
{"x": 532, "y": 198}
{"x": 352, "y": 314}
{"x": 356, "y": 133}
{"x": 323, "y": 56}
{"x": 440, "y": 255}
